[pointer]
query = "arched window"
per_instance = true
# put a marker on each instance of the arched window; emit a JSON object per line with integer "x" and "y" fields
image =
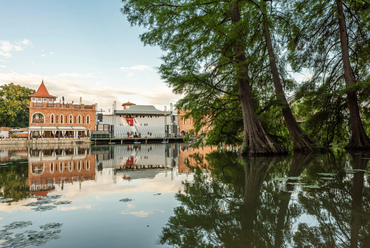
{"x": 61, "y": 118}
{"x": 38, "y": 118}
{"x": 87, "y": 165}
{"x": 70, "y": 119}
{"x": 79, "y": 119}
{"x": 61, "y": 166}
{"x": 88, "y": 119}
{"x": 52, "y": 118}
{"x": 78, "y": 165}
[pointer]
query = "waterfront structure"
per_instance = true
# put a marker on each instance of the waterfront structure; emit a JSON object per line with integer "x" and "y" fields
{"x": 138, "y": 121}
{"x": 47, "y": 118}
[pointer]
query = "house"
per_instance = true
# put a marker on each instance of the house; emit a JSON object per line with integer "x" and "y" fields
{"x": 47, "y": 118}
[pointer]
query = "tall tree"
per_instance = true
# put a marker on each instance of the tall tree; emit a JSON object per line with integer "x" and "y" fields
{"x": 14, "y": 105}
{"x": 301, "y": 141}
{"x": 331, "y": 38}
{"x": 203, "y": 37}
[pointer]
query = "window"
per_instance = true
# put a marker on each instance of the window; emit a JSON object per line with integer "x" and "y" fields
{"x": 45, "y": 99}
{"x": 70, "y": 119}
{"x": 79, "y": 119}
{"x": 38, "y": 118}
{"x": 88, "y": 119}
{"x": 52, "y": 118}
{"x": 184, "y": 121}
{"x": 33, "y": 99}
{"x": 61, "y": 119}
{"x": 39, "y": 99}
{"x": 51, "y": 168}
{"x": 50, "y": 100}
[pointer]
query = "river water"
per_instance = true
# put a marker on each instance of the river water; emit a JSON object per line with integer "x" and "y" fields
{"x": 170, "y": 195}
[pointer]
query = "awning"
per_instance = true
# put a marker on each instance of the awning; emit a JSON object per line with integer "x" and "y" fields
{"x": 57, "y": 128}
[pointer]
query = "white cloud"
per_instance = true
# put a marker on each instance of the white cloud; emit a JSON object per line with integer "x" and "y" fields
{"x": 137, "y": 68}
{"x": 140, "y": 214}
{"x": 6, "y": 47}
{"x": 76, "y": 75}
{"x": 2, "y": 66}
{"x": 42, "y": 55}
{"x": 51, "y": 53}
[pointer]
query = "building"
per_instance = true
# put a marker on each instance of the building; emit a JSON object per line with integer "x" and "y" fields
{"x": 47, "y": 118}
{"x": 138, "y": 121}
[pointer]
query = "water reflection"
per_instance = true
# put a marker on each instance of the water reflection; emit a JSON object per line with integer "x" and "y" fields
{"x": 304, "y": 200}
{"x": 271, "y": 202}
{"x": 54, "y": 166}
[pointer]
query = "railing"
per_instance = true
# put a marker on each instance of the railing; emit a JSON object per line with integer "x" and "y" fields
{"x": 62, "y": 105}
{"x": 38, "y": 121}
{"x": 51, "y": 105}
{"x": 38, "y": 104}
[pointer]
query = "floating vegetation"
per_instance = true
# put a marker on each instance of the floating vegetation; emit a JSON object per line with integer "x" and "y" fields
{"x": 126, "y": 200}
{"x": 311, "y": 186}
{"x": 47, "y": 203}
{"x": 353, "y": 171}
{"x": 62, "y": 202}
{"x": 29, "y": 237}
{"x": 52, "y": 225}
{"x": 327, "y": 174}
{"x": 286, "y": 178}
{"x": 17, "y": 224}
{"x": 44, "y": 208}
{"x": 280, "y": 179}
{"x": 327, "y": 178}
{"x": 295, "y": 183}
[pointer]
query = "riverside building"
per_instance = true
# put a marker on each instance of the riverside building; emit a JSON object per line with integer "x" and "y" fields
{"x": 50, "y": 119}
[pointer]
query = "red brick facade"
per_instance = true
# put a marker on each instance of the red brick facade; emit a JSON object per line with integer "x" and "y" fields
{"x": 44, "y": 111}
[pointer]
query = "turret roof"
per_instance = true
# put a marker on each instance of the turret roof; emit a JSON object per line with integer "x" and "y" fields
{"x": 42, "y": 92}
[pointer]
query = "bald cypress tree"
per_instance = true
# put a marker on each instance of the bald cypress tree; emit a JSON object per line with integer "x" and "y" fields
{"x": 206, "y": 38}
{"x": 332, "y": 39}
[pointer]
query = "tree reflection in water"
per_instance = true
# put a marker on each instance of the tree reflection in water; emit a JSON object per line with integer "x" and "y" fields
{"x": 239, "y": 204}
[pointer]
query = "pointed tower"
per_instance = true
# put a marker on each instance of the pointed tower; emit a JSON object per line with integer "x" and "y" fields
{"x": 42, "y": 94}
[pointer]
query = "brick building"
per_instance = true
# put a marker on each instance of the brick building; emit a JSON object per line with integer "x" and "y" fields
{"x": 47, "y": 118}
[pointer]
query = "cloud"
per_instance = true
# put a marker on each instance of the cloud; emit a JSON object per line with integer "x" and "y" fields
{"x": 137, "y": 68}
{"x": 2, "y": 66}
{"x": 6, "y": 47}
{"x": 51, "y": 53}
{"x": 140, "y": 214}
{"x": 76, "y": 75}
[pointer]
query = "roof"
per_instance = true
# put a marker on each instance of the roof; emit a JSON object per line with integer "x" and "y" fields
{"x": 128, "y": 103}
{"x": 141, "y": 110}
{"x": 42, "y": 92}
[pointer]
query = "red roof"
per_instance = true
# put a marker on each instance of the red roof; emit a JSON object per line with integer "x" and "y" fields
{"x": 128, "y": 103}
{"x": 42, "y": 92}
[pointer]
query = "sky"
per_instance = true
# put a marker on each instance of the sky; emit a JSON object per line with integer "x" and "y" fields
{"x": 83, "y": 48}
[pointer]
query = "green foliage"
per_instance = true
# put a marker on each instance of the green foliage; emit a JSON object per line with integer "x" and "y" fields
{"x": 314, "y": 45}
{"x": 14, "y": 105}
{"x": 13, "y": 181}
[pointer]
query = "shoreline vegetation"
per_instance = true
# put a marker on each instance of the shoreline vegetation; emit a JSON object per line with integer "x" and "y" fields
{"x": 233, "y": 63}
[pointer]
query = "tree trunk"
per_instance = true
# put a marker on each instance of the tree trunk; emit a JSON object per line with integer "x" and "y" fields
{"x": 359, "y": 139}
{"x": 301, "y": 141}
{"x": 256, "y": 140}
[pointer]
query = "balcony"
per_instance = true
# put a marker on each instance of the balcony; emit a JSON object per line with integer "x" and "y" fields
{"x": 61, "y": 105}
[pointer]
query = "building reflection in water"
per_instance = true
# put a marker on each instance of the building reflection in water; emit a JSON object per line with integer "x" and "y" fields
{"x": 49, "y": 167}
{"x": 53, "y": 167}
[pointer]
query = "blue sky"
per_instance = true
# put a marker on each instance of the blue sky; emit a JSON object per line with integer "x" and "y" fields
{"x": 83, "y": 48}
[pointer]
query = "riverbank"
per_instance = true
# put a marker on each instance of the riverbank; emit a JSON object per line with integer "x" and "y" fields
{"x": 20, "y": 142}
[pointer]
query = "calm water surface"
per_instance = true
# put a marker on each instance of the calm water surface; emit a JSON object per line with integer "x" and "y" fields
{"x": 168, "y": 195}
